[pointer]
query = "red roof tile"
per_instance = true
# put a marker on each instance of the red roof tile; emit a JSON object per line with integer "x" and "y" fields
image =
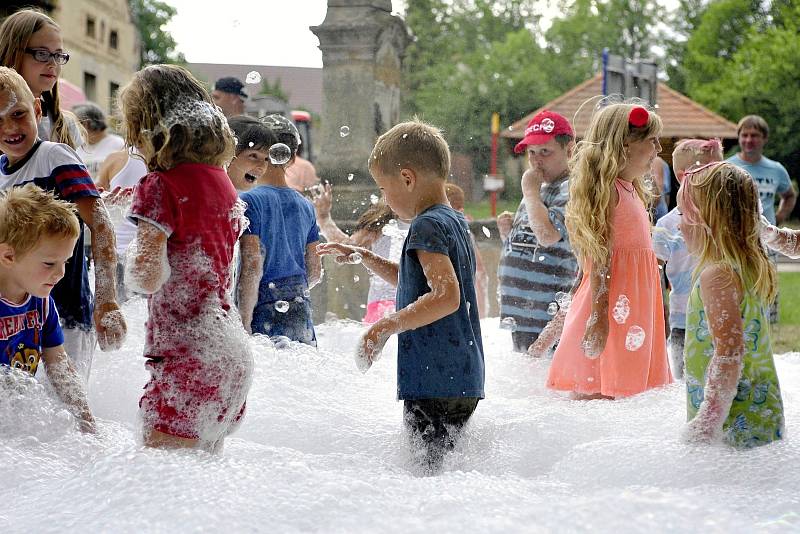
{"x": 682, "y": 117}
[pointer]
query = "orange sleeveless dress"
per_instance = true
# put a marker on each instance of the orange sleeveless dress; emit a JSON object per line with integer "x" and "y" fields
{"x": 635, "y": 355}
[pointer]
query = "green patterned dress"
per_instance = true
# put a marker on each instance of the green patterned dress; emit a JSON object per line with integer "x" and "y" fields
{"x": 756, "y": 415}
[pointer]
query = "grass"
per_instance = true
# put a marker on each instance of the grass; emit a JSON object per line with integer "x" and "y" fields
{"x": 482, "y": 210}
{"x": 786, "y": 334}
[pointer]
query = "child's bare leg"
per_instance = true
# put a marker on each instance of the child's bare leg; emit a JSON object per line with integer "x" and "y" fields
{"x": 154, "y": 438}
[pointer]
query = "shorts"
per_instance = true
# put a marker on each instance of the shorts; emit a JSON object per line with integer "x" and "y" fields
{"x": 434, "y": 426}
{"x": 190, "y": 398}
{"x": 378, "y": 310}
{"x": 285, "y": 310}
{"x": 677, "y": 337}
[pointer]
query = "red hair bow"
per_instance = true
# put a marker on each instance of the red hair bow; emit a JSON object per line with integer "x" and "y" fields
{"x": 638, "y": 117}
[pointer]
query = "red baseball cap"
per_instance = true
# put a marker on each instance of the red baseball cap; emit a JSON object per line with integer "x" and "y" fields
{"x": 543, "y": 127}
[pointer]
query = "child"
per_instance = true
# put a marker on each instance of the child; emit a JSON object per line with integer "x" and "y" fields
{"x": 31, "y": 44}
{"x": 374, "y": 230}
{"x": 732, "y": 386}
{"x": 440, "y": 367}
{"x": 253, "y": 140}
{"x": 613, "y": 341}
{"x": 279, "y": 259}
{"x": 56, "y": 167}
{"x": 37, "y": 237}
{"x": 671, "y": 248}
{"x": 188, "y": 218}
{"x": 455, "y": 196}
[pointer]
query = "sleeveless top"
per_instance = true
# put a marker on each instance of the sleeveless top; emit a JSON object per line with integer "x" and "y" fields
{"x": 756, "y": 415}
{"x": 128, "y": 176}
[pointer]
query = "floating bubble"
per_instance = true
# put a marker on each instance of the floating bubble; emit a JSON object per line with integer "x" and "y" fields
{"x": 486, "y": 231}
{"x": 281, "y": 306}
{"x": 279, "y": 154}
{"x": 253, "y": 77}
{"x": 622, "y": 309}
{"x": 306, "y": 293}
{"x": 350, "y": 177}
{"x": 356, "y": 278}
{"x": 251, "y": 144}
{"x": 373, "y": 198}
{"x": 271, "y": 285}
{"x": 541, "y": 258}
{"x": 635, "y": 338}
{"x": 344, "y": 131}
{"x": 508, "y": 323}
{"x": 298, "y": 300}
{"x": 563, "y": 299}
{"x": 552, "y": 308}
{"x": 354, "y": 258}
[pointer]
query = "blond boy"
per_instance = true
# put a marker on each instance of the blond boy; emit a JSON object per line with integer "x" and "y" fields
{"x": 37, "y": 237}
{"x": 440, "y": 367}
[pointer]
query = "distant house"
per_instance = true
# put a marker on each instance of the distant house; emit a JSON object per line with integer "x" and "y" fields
{"x": 302, "y": 84}
{"x": 682, "y": 116}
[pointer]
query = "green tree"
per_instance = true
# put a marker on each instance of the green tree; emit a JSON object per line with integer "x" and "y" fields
{"x": 755, "y": 71}
{"x": 274, "y": 89}
{"x": 158, "y": 46}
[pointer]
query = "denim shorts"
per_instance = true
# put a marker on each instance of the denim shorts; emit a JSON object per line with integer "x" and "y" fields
{"x": 285, "y": 310}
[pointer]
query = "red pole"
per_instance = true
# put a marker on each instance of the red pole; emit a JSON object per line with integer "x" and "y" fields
{"x": 493, "y": 160}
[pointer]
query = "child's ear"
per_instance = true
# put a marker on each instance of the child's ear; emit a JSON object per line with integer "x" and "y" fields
{"x": 6, "y": 254}
{"x": 409, "y": 178}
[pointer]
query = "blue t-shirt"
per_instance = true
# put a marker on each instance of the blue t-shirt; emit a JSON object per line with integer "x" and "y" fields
{"x": 772, "y": 180}
{"x": 285, "y": 223}
{"x": 443, "y": 359}
{"x": 25, "y": 330}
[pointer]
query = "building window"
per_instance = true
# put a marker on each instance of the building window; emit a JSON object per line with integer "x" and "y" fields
{"x": 90, "y": 27}
{"x": 113, "y": 89}
{"x": 90, "y": 86}
{"x": 113, "y": 39}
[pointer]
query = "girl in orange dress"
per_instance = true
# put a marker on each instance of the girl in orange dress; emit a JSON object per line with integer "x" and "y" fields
{"x": 613, "y": 342}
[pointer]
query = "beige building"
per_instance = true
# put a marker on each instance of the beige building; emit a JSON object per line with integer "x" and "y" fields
{"x": 103, "y": 44}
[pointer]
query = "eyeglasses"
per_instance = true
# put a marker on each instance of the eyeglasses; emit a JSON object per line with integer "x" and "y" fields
{"x": 43, "y": 55}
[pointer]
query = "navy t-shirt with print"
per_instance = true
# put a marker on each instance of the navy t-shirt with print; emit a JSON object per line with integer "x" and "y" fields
{"x": 443, "y": 359}
{"x": 27, "y": 329}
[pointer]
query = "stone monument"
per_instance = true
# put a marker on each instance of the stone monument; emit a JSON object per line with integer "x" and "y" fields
{"x": 362, "y": 47}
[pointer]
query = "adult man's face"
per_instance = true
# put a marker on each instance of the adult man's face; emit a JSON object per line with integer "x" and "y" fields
{"x": 230, "y": 104}
{"x": 549, "y": 159}
{"x": 751, "y": 142}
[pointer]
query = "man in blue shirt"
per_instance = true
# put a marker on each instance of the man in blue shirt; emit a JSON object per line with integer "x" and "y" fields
{"x": 771, "y": 177}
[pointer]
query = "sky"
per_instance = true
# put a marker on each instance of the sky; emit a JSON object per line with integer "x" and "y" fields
{"x": 253, "y": 32}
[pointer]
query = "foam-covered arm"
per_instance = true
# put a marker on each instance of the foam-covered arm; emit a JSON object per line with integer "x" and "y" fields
{"x": 722, "y": 299}
{"x": 782, "y": 240}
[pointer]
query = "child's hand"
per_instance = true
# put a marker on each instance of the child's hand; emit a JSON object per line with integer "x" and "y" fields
{"x": 369, "y": 348}
{"x": 341, "y": 252}
{"x": 323, "y": 201}
{"x": 549, "y": 336}
{"x": 504, "y": 222}
{"x": 594, "y": 339}
{"x": 110, "y": 325}
{"x": 531, "y": 182}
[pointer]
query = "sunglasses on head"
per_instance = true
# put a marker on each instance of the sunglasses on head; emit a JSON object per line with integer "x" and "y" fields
{"x": 43, "y": 55}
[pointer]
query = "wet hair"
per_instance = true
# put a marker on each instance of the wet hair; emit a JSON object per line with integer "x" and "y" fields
{"x": 15, "y": 33}
{"x": 411, "y": 145}
{"x": 169, "y": 116}
{"x": 251, "y": 134}
{"x": 691, "y": 152}
{"x": 91, "y": 116}
{"x": 454, "y": 193}
{"x": 375, "y": 218}
{"x": 29, "y": 213}
{"x": 598, "y": 159}
{"x": 12, "y": 82}
{"x": 284, "y": 130}
{"x": 722, "y": 199}
{"x": 753, "y": 121}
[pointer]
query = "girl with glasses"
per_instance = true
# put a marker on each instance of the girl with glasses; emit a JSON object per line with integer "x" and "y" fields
{"x": 31, "y": 44}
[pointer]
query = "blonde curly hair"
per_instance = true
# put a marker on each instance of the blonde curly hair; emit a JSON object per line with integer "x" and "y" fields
{"x": 597, "y": 160}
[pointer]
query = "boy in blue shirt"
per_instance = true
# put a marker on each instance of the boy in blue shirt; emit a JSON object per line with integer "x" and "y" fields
{"x": 279, "y": 259}
{"x": 440, "y": 367}
{"x": 37, "y": 237}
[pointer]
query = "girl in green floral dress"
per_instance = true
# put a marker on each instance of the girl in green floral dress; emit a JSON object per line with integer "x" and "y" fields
{"x": 732, "y": 386}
